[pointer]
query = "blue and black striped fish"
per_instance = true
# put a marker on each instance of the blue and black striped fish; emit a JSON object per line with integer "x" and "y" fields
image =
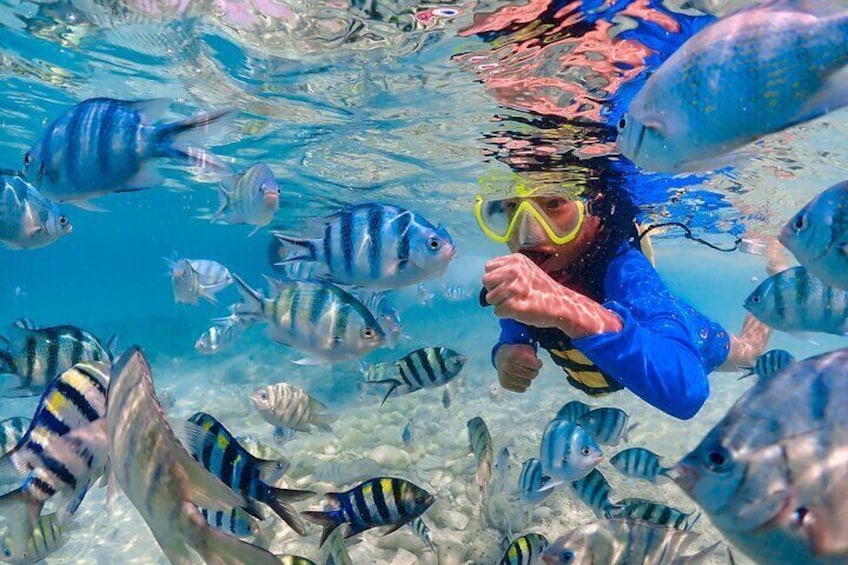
{"x": 768, "y": 364}
{"x": 11, "y": 432}
{"x": 222, "y": 455}
{"x": 235, "y": 521}
{"x": 525, "y": 550}
{"x": 373, "y": 245}
{"x": 382, "y": 501}
{"x": 531, "y": 480}
{"x": 594, "y": 490}
{"x": 567, "y": 451}
{"x": 428, "y": 367}
{"x": 103, "y": 145}
{"x": 38, "y": 355}
{"x": 572, "y": 411}
{"x": 656, "y": 513}
{"x": 607, "y": 426}
{"x": 422, "y": 532}
{"x": 639, "y": 463}
{"x": 62, "y": 451}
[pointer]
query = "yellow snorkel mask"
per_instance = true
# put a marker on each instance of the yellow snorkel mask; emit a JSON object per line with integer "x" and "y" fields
{"x": 529, "y": 214}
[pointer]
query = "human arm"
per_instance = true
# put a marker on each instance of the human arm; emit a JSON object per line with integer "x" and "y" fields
{"x": 514, "y": 356}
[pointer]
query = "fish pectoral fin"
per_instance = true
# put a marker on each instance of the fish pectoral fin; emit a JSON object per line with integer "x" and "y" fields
{"x": 697, "y": 557}
{"x": 550, "y": 485}
{"x": 87, "y": 206}
{"x": 192, "y": 436}
{"x": 737, "y": 159}
{"x": 832, "y": 94}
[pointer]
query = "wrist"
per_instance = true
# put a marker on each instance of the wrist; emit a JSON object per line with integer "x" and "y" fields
{"x": 578, "y": 316}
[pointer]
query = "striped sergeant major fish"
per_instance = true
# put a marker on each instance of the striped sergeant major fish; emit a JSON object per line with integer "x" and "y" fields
{"x": 236, "y": 521}
{"x": 249, "y": 197}
{"x": 567, "y": 452}
{"x": 28, "y": 220}
{"x": 143, "y": 449}
{"x": 768, "y": 364}
{"x": 796, "y": 301}
{"x": 334, "y": 551}
{"x": 46, "y": 538}
{"x": 656, "y": 513}
{"x": 192, "y": 279}
{"x": 104, "y": 145}
{"x": 422, "y": 532}
{"x": 374, "y": 246}
{"x": 289, "y": 406}
{"x": 639, "y": 463}
{"x": 62, "y": 452}
{"x": 214, "y": 447}
{"x": 531, "y": 480}
{"x": 480, "y": 442}
{"x": 428, "y": 367}
{"x": 572, "y": 411}
{"x": 607, "y": 426}
{"x": 289, "y": 559}
{"x": 594, "y": 490}
{"x": 11, "y": 432}
{"x": 381, "y": 501}
{"x": 37, "y": 355}
{"x": 525, "y": 550}
{"x": 315, "y": 317}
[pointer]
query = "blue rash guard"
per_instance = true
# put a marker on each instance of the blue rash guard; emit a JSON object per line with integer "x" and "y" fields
{"x": 664, "y": 351}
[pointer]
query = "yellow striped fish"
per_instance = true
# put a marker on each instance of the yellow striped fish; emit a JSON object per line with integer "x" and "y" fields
{"x": 525, "y": 550}
{"x": 160, "y": 477}
{"x": 46, "y": 538}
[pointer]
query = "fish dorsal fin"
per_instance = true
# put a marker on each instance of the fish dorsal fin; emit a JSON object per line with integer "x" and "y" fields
{"x": 152, "y": 110}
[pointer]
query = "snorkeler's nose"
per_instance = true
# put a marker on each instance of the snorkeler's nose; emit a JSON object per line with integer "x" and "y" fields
{"x": 530, "y": 232}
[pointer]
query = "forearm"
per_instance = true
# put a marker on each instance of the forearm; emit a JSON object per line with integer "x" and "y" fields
{"x": 750, "y": 344}
{"x": 578, "y": 316}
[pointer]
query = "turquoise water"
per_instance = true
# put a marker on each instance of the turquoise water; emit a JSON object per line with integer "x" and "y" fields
{"x": 356, "y": 102}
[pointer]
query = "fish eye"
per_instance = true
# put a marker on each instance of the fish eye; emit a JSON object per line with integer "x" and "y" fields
{"x": 622, "y": 123}
{"x": 800, "y": 223}
{"x": 755, "y": 299}
{"x": 566, "y": 556}
{"x": 27, "y": 161}
{"x": 63, "y": 221}
{"x": 799, "y": 515}
{"x": 368, "y": 333}
{"x": 263, "y": 395}
{"x": 434, "y": 243}
{"x": 585, "y": 450}
{"x": 717, "y": 459}
{"x": 419, "y": 500}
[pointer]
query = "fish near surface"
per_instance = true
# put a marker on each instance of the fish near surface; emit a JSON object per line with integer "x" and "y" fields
{"x": 28, "y": 220}
{"x": 773, "y": 474}
{"x": 818, "y": 236}
{"x": 144, "y": 451}
{"x": 250, "y": 197}
{"x": 624, "y": 542}
{"x": 753, "y": 73}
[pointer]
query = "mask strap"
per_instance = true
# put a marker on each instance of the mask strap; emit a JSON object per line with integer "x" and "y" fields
{"x": 689, "y": 236}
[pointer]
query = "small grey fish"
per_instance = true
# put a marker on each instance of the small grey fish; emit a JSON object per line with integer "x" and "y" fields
{"x": 104, "y": 145}
{"x": 28, "y": 220}
{"x": 567, "y": 452}
{"x": 236, "y": 521}
{"x": 289, "y": 559}
{"x": 525, "y": 550}
{"x": 446, "y": 397}
{"x": 480, "y": 442}
{"x": 420, "y": 529}
{"x": 47, "y": 537}
{"x": 259, "y": 449}
{"x": 624, "y": 542}
{"x": 375, "y": 246}
{"x": 334, "y": 550}
{"x": 188, "y": 283}
{"x": 531, "y": 479}
{"x": 142, "y": 448}
{"x": 289, "y": 406}
{"x": 656, "y": 513}
{"x": 769, "y": 363}
{"x": 11, "y": 431}
{"x": 427, "y": 367}
{"x": 36, "y": 356}
{"x": 818, "y": 236}
{"x": 796, "y": 301}
{"x": 594, "y": 491}
{"x": 282, "y": 434}
{"x": 251, "y": 197}
{"x": 408, "y": 434}
{"x": 572, "y": 411}
{"x": 608, "y": 426}
{"x": 639, "y": 463}
{"x": 62, "y": 452}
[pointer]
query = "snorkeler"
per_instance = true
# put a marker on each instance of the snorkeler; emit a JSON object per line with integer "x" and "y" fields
{"x": 579, "y": 283}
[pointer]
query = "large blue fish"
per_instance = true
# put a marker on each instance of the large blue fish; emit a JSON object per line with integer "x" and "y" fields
{"x": 375, "y": 246}
{"x": 103, "y": 145}
{"x": 753, "y": 73}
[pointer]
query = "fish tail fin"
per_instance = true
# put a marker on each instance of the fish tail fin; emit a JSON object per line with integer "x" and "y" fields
{"x": 216, "y": 547}
{"x": 253, "y": 300}
{"x": 329, "y": 520}
{"x": 21, "y": 513}
{"x": 308, "y": 248}
{"x": 694, "y": 521}
{"x": 175, "y": 139}
{"x": 626, "y": 435}
{"x": 323, "y": 421}
{"x": 279, "y": 500}
{"x": 697, "y": 558}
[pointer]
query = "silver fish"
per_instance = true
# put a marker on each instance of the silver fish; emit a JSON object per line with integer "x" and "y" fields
{"x": 608, "y": 426}
{"x": 427, "y": 367}
{"x": 769, "y": 363}
{"x": 258, "y": 448}
{"x": 818, "y": 236}
{"x": 376, "y": 246}
{"x": 11, "y": 432}
{"x": 707, "y": 98}
{"x": 103, "y": 145}
{"x": 47, "y": 537}
{"x": 531, "y": 479}
{"x": 572, "y": 411}
{"x": 334, "y": 550}
{"x": 315, "y": 317}
{"x": 624, "y": 542}
{"x": 594, "y": 490}
{"x": 143, "y": 448}
{"x": 639, "y": 463}
{"x": 567, "y": 451}
{"x": 795, "y": 301}
{"x": 420, "y": 529}
{"x": 408, "y": 434}
{"x": 656, "y": 513}
{"x": 771, "y": 474}
{"x": 28, "y": 220}
{"x": 188, "y": 283}
{"x": 291, "y": 407}
{"x": 480, "y": 442}
{"x": 250, "y": 197}
{"x": 525, "y": 550}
